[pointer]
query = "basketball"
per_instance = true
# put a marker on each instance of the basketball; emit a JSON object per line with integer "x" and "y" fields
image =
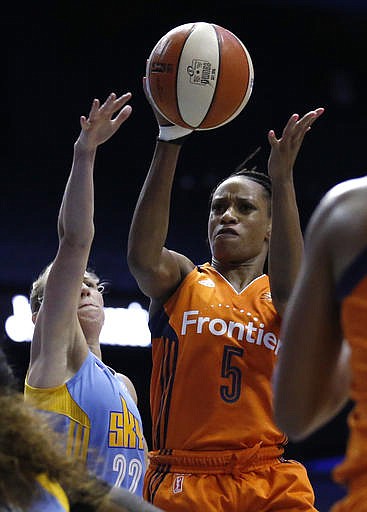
{"x": 199, "y": 76}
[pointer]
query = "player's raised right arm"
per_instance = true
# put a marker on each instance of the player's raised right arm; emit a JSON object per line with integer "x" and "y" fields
{"x": 157, "y": 270}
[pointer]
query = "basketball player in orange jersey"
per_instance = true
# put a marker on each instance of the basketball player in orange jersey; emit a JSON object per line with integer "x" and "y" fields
{"x": 324, "y": 353}
{"x": 215, "y": 335}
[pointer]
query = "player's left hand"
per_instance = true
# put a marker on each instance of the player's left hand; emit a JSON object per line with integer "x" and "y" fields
{"x": 284, "y": 150}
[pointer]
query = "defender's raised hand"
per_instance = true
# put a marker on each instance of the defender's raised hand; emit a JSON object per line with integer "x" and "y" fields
{"x": 102, "y": 122}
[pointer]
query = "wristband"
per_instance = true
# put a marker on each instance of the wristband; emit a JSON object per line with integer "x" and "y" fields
{"x": 173, "y": 133}
{"x": 177, "y": 142}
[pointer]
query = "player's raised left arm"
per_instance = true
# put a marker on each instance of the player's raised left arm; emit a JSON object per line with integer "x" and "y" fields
{"x": 286, "y": 242}
{"x": 58, "y": 342}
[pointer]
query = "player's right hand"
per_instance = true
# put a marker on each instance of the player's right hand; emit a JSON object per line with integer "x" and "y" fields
{"x": 168, "y": 132}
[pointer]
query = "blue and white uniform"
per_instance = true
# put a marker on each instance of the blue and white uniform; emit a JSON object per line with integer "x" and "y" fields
{"x": 101, "y": 422}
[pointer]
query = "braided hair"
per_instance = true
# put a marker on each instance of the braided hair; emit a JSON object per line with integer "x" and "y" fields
{"x": 252, "y": 173}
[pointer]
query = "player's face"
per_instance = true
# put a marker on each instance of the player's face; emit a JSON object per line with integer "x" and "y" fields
{"x": 239, "y": 220}
{"x": 90, "y": 309}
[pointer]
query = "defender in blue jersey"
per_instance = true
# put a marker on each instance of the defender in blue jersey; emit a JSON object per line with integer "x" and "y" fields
{"x": 95, "y": 407}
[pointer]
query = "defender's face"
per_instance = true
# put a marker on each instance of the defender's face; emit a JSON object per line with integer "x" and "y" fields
{"x": 90, "y": 309}
{"x": 239, "y": 220}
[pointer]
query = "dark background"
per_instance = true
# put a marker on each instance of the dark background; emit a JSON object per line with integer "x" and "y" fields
{"x": 58, "y": 55}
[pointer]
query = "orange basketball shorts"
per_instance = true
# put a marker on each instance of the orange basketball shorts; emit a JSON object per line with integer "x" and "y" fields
{"x": 227, "y": 482}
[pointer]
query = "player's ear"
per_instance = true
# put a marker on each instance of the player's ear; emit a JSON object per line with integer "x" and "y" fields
{"x": 34, "y": 316}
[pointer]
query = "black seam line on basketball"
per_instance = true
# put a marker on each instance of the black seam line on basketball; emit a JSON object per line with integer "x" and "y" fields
{"x": 219, "y": 69}
{"x": 248, "y": 89}
{"x": 182, "y": 49}
{"x": 216, "y": 89}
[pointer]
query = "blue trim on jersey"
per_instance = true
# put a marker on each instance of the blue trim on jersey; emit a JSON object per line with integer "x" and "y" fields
{"x": 352, "y": 275}
{"x": 161, "y": 329}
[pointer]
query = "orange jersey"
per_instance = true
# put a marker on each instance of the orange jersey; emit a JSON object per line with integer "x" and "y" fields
{"x": 214, "y": 351}
{"x": 353, "y": 292}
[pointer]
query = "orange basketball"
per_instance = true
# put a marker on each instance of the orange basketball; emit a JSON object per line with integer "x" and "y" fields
{"x": 199, "y": 76}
